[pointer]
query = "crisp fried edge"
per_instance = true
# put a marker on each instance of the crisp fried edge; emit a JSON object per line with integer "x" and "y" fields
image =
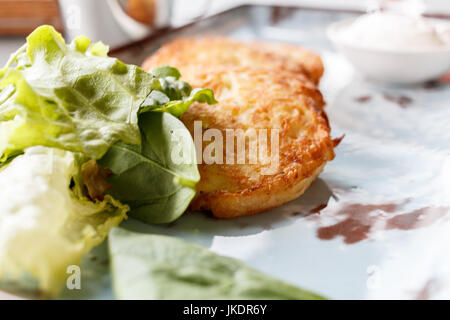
{"x": 281, "y": 188}
{"x": 311, "y": 66}
{"x": 230, "y": 205}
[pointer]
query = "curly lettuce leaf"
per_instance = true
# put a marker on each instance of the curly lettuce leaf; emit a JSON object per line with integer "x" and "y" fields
{"x": 74, "y": 97}
{"x": 69, "y": 97}
{"x": 166, "y": 71}
{"x": 175, "y": 95}
{"x": 44, "y": 225}
{"x": 159, "y": 102}
{"x": 158, "y": 267}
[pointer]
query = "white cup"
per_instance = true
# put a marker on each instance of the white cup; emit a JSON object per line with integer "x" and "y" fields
{"x": 106, "y": 20}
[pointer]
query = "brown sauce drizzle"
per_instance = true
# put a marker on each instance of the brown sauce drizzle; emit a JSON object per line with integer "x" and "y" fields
{"x": 363, "y": 99}
{"x": 419, "y": 218}
{"x": 426, "y": 292}
{"x": 401, "y": 101}
{"x": 362, "y": 220}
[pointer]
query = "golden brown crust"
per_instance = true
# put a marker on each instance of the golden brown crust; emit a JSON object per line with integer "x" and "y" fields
{"x": 227, "y": 52}
{"x": 259, "y": 98}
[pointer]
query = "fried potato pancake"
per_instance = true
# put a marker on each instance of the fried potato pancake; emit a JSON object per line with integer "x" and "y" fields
{"x": 228, "y": 52}
{"x": 252, "y": 97}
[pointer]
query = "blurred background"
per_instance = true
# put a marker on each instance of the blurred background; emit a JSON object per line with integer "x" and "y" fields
{"x": 117, "y": 22}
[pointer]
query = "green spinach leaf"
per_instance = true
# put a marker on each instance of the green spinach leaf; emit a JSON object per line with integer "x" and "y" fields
{"x": 157, "y": 178}
{"x": 159, "y": 267}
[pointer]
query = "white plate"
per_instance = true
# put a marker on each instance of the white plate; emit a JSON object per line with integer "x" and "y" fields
{"x": 384, "y": 230}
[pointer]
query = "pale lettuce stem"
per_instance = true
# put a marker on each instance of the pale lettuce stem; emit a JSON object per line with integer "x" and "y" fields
{"x": 14, "y": 56}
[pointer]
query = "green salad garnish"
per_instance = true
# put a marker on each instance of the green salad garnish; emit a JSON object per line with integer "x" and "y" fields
{"x": 45, "y": 226}
{"x": 86, "y": 139}
{"x": 169, "y": 268}
{"x": 75, "y": 97}
{"x": 102, "y": 129}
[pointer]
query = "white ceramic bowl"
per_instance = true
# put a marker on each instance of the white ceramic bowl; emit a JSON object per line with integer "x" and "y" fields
{"x": 391, "y": 65}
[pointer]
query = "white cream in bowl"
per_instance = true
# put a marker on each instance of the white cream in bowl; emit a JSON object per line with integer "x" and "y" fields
{"x": 393, "y": 47}
{"x": 391, "y": 31}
